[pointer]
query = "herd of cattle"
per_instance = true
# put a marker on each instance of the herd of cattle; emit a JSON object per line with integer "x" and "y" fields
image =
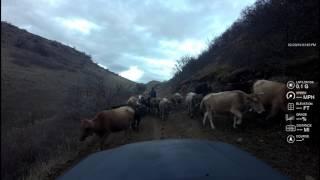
{"x": 264, "y": 93}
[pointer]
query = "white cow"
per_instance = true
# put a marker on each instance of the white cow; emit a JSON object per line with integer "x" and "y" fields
{"x": 271, "y": 94}
{"x": 193, "y": 101}
{"x": 235, "y": 102}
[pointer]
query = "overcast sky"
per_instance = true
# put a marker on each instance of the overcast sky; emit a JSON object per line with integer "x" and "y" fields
{"x": 139, "y": 39}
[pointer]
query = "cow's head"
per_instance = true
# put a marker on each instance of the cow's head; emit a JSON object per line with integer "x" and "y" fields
{"x": 255, "y": 103}
{"x": 86, "y": 129}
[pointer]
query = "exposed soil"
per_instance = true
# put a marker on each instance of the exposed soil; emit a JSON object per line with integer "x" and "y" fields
{"x": 266, "y": 143}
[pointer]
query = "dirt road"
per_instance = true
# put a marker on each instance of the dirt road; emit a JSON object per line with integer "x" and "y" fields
{"x": 266, "y": 143}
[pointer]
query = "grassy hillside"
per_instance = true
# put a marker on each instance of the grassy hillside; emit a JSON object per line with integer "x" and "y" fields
{"x": 46, "y": 88}
{"x": 259, "y": 45}
{"x": 256, "y": 46}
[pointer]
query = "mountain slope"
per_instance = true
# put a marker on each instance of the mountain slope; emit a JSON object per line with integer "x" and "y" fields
{"x": 259, "y": 45}
{"x": 39, "y": 76}
{"x": 273, "y": 39}
{"x": 46, "y": 88}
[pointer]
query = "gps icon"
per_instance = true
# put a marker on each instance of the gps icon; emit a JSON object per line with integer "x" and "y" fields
{"x": 290, "y": 84}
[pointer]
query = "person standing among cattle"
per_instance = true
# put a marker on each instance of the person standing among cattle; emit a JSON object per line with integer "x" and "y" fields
{"x": 152, "y": 93}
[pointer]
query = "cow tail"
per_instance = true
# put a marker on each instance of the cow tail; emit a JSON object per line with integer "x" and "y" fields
{"x": 201, "y": 105}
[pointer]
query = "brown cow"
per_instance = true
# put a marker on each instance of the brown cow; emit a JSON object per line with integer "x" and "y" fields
{"x": 108, "y": 121}
{"x": 235, "y": 102}
{"x": 271, "y": 94}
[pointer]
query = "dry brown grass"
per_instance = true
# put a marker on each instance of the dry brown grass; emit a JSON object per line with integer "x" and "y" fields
{"x": 46, "y": 88}
{"x": 31, "y": 151}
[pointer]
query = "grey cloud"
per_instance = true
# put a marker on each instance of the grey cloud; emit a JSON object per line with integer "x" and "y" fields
{"x": 117, "y": 67}
{"x": 129, "y": 29}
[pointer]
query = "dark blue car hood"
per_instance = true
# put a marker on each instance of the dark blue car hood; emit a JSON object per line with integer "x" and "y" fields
{"x": 172, "y": 159}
